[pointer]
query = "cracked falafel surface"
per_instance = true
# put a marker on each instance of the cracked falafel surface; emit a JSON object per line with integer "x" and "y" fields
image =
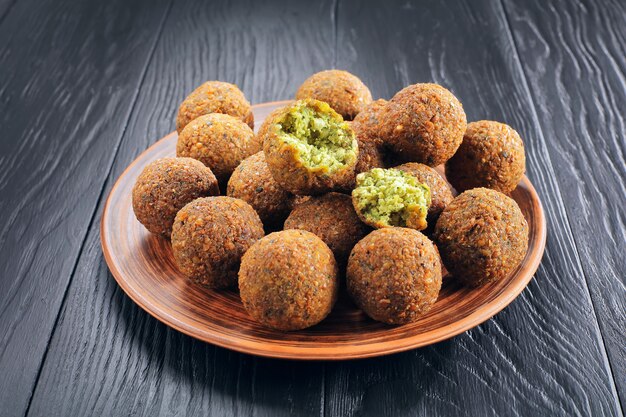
{"x": 214, "y": 97}
{"x": 288, "y": 280}
{"x": 209, "y": 237}
{"x": 344, "y": 92}
{"x": 219, "y": 141}
{"x": 332, "y": 218}
{"x": 482, "y": 236}
{"x": 394, "y": 275}
{"x": 165, "y": 186}
{"x": 424, "y": 123}
{"x": 491, "y": 156}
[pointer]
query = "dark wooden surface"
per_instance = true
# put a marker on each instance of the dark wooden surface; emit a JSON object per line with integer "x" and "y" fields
{"x": 86, "y": 86}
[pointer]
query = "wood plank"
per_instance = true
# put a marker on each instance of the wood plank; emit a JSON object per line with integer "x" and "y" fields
{"x": 62, "y": 67}
{"x": 108, "y": 357}
{"x": 580, "y": 102}
{"x": 543, "y": 354}
{"x": 5, "y": 6}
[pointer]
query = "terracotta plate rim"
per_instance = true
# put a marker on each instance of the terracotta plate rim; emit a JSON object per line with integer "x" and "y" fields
{"x": 339, "y": 350}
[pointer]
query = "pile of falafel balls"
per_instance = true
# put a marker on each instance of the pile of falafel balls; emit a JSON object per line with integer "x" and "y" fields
{"x": 346, "y": 190}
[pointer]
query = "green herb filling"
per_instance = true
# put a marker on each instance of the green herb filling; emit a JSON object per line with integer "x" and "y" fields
{"x": 321, "y": 140}
{"x": 390, "y": 197}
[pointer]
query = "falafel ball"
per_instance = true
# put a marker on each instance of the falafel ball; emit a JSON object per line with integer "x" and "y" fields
{"x": 252, "y": 182}
{"x": 214, "y": 97}
{"x": 440, "y": 191}
{"x": 367, "y": 128}
{"x": 389, "y": 197}
{"x": 310, "y": 149}
{"x": 219, "y": 141}
{"x": 209, "y": 237}
{"x": 367, "y": 124}
{"x": 424, "y": 123}
{"x": 288, "y": 280}
{"x": 394, "y": 275}
{"x": 344, "y": 92}
{"x": 165, "y": 186}
{"x": 491, "y": 156}
{"x": 482, "y": 236}
{"x": 332, "y": 218}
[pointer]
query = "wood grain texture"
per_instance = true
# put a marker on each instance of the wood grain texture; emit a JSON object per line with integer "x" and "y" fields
{"x": 541, "y": 355}
{"x": 574, "y": 57}
{"x": 62, "y": 67}
{"x": 107, "y": 356}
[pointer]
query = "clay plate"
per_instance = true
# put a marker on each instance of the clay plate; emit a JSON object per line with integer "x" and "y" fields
{"x": 143, "y": 266}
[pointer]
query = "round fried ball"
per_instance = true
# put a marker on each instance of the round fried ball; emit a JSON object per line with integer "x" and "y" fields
{"x": 366, "y": 126}
{"x": 219, "y": 141}
{"x": 440, "y": 191}
{"x": 482, "y": 236}
{"x": 491, "y": 156}
{"x": 345, "y": 92}
{"x": 288, "y": 280}
{"x": 214, "y": 97}
{"x": 165, "y": 186}
{"x": 424, "y": 123}
{"x": 309, "y": 148}
{"x": 252, "y": 182}
{"x": 209, "y": 237}
{"x": 332, "y": 218}
{"x": 394, "y": 275}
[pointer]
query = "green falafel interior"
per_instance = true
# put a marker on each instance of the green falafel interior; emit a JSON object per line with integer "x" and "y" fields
{"x": 390, "y": 197}
{"x": 319, "y": 134}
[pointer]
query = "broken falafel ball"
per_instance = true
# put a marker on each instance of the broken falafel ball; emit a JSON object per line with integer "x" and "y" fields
{"x": 390, "y": 197}
{"x": 309, "y": 148}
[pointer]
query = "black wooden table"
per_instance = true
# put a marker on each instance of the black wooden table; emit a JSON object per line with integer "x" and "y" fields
{"x": 87, "y": 85}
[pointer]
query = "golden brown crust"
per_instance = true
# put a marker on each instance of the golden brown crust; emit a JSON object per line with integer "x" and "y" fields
{"x": 219, "y": 141}
{"x": 286, "y": 167}
{"x": 252, "y": 182}
{"x": 288, "y": 280}
{"x": 344, "y": 92}
{"x": 424, "y": 123}
{"x": 482, "y": 236}
{"x": 367, "y": 124}
{"x": 491, "y": 156}
{"x": 332, "y": 218}
{"x": 440, "y": 191}
{"x": 209, "y": 237}
{"x": 214, "y": 97}
{"x": 394, "y": 275}
{"x": 165, "y": 186}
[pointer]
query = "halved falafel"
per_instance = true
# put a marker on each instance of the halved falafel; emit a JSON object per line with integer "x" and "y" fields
{"x": 389, "y": 197}
{"x": 440, "y": 191}
{"x": 219, "y": 141}
{"x": 288, "y": 280}
{"x": 491, "y": 156}
{"x": 332, "y": 218}
{"x": 424, "y": 123}
{"x": 394, "y": 275}
{"x": 344, "y": 92}
{"x": 209, "y": 237}
{"x": 214, "y": 97}
{"x": 165, "y": 186}
{"x": 309, "y": 148}
{"x": 482, "y": 236}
